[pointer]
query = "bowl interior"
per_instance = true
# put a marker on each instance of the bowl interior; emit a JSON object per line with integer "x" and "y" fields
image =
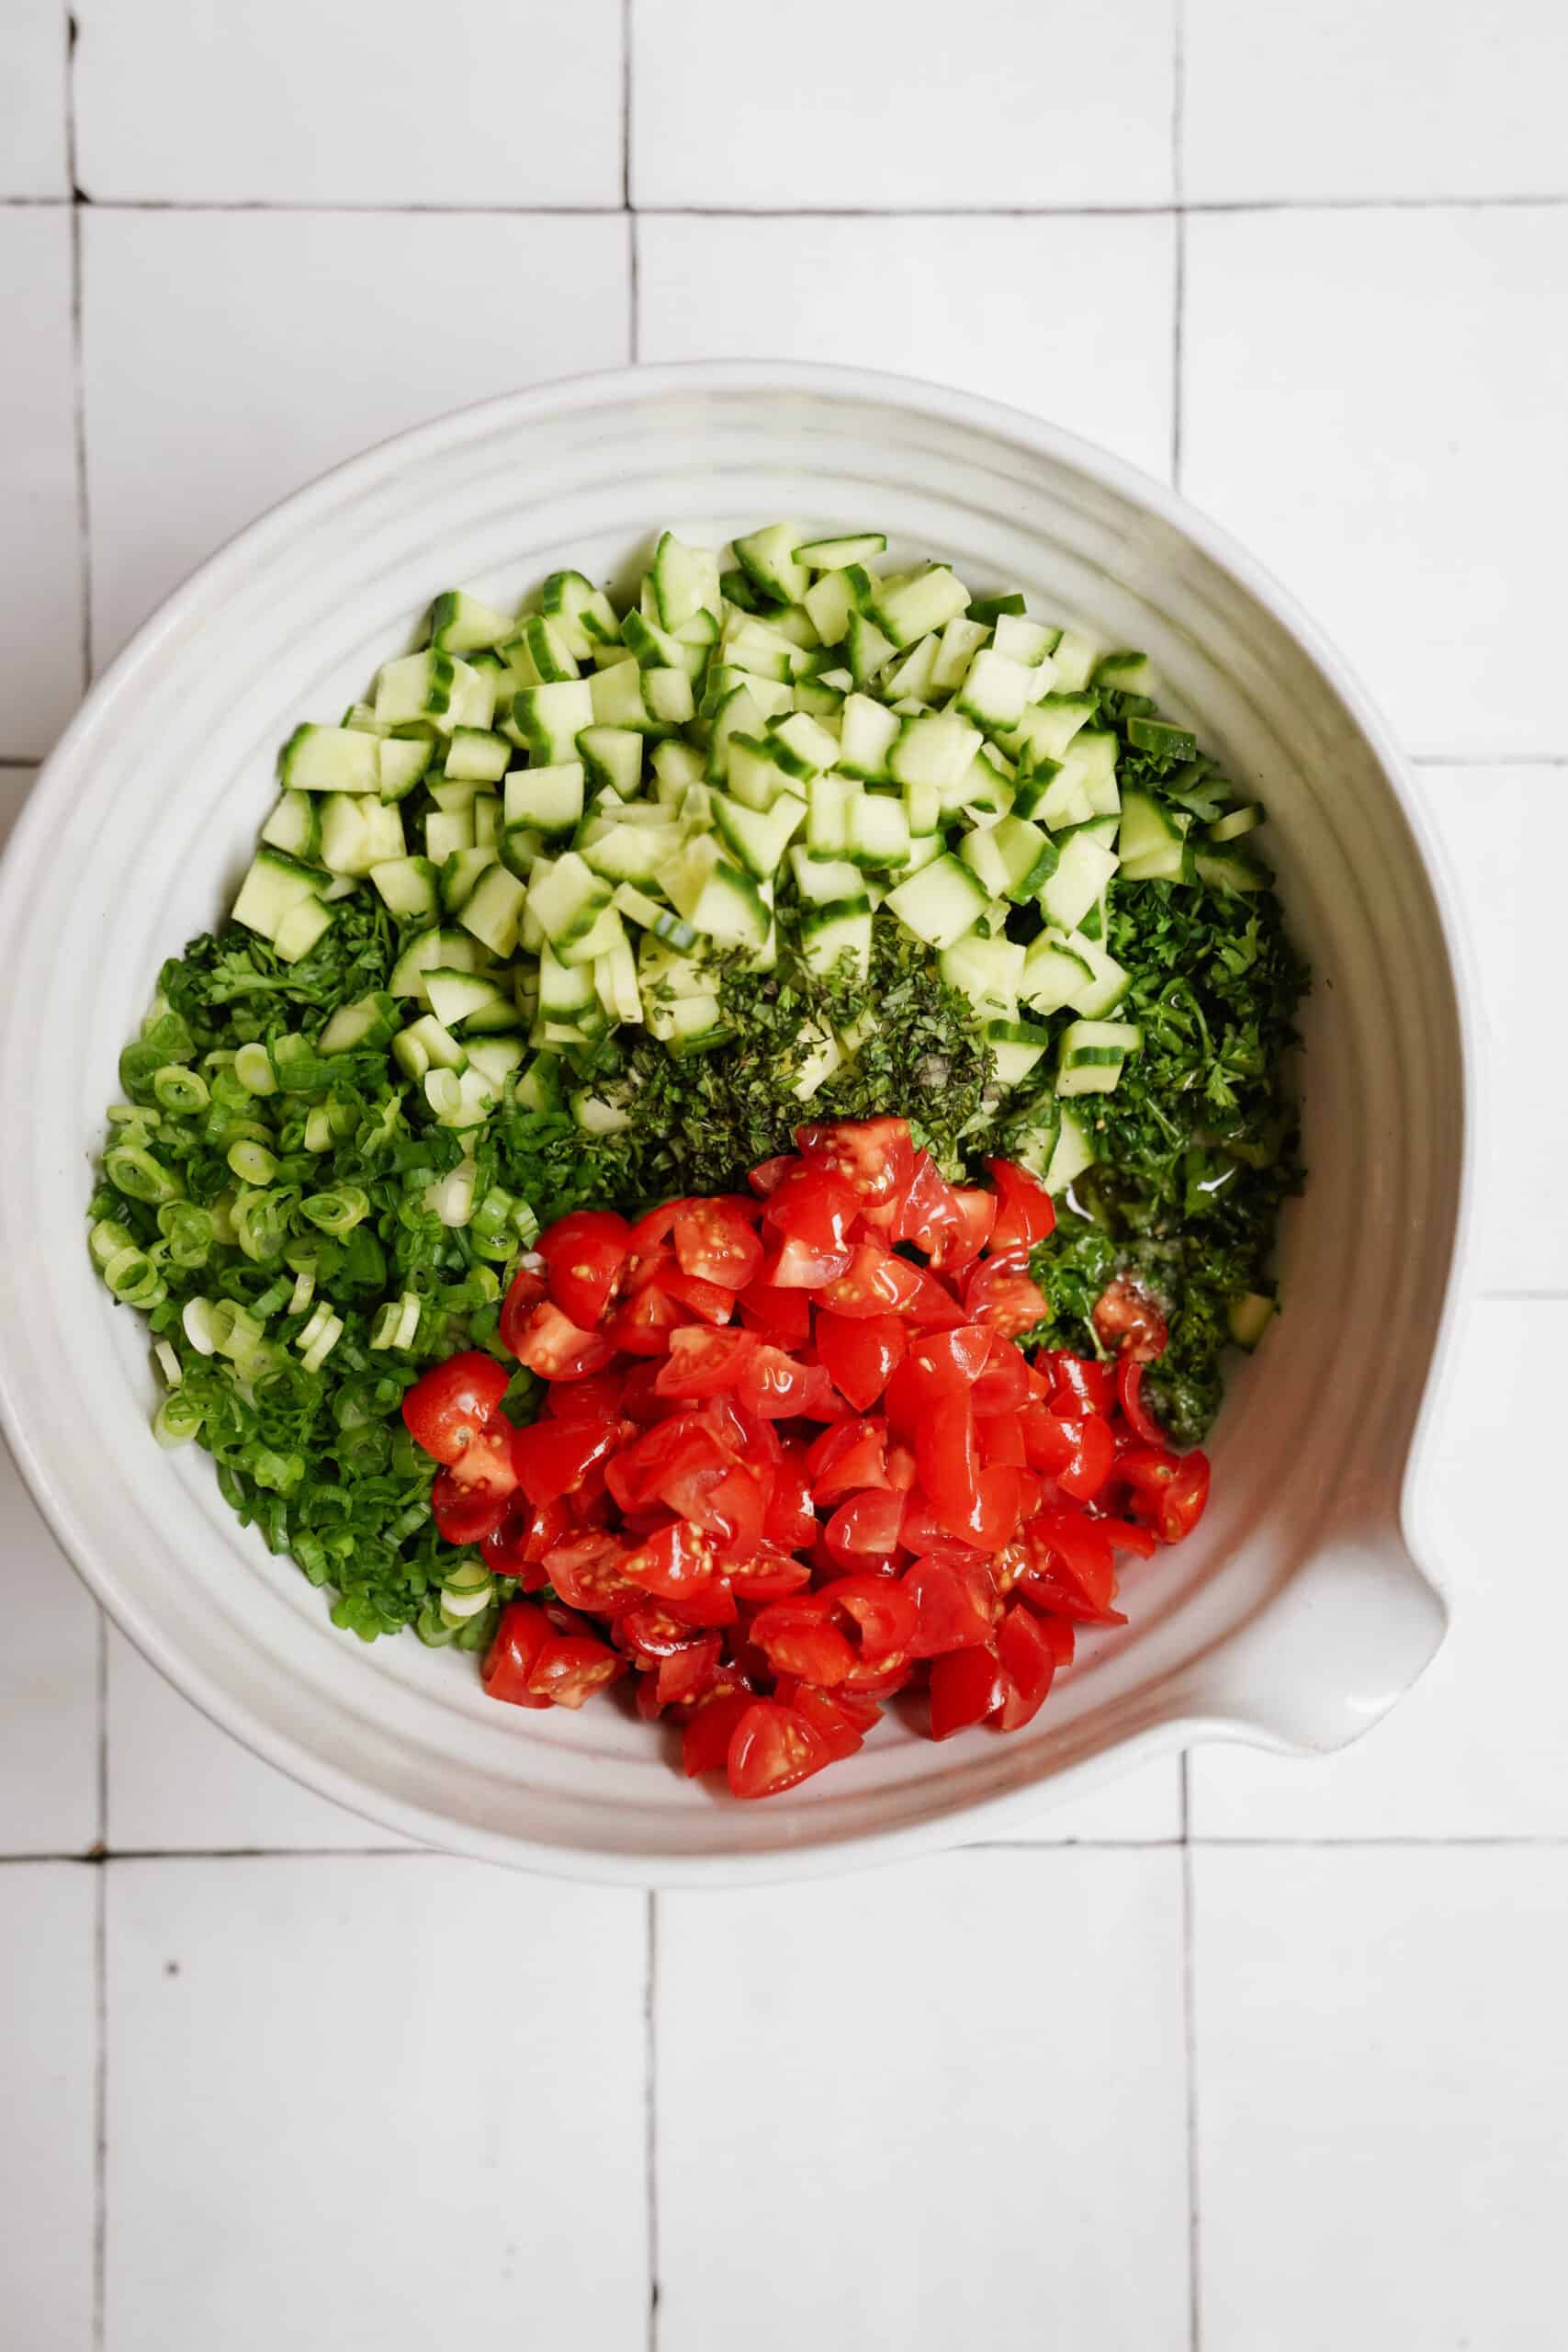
{"x": 148, "y": 814}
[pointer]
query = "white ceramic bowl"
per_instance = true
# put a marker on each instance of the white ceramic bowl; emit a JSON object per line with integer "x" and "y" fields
{"x": 1295, "y": 1618}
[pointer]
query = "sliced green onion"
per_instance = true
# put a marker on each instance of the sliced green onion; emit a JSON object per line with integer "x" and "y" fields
{"x": 189, "y": 1232}
{"x": 121, "y": 1114}
{"x": 131, "y": 1170}
{"x": 177, "y": 1420}
{"x": 461, "y": 1601}
{"x": 106, "y": 1240}
{"x": 397, "y": 1325}
{"x": 134, "y": 1278}
{"x": 253, "y": 1068}
{"x": 408, "y": 1522}
{"x": 252, "y": 1162}
{"x": 271, "y": 1299}
{"x": 444, "y": 1092}
{"x": 319, "y": 1133}
{"x": 258, "y": 1227}
{"x": 451, "y": 1197}
{"x": 206, "y": 1323}
{"x": 169, "y": 1363}
{"x": 181, "y": 1091}
{"x": 324, "y": 1342}
{"x": 338, "y": 1212}
{"x": 242, "y": 1337}
{"x": 221, "y": 1212}
{"x": 304, "y": 1286}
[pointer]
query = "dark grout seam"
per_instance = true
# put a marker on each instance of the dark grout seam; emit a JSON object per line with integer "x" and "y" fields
{"x": 100, "y": 2104}
{"x": 1189, "y": 2040}
{"x": 651, "y": 2125}
{"x": 1201, "y": 207}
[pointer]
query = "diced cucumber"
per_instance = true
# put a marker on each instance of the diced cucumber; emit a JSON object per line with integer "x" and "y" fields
{"x": 819, "y": 881}
{"x": 494, "y": 910}
{"x": 841, "y": 928}
{"x": 457, "y": 996}
{"x": 768, "y": 560}
{"x": 616, "y": 982}
{"x": 1093, "y": 1053}
{"x": 550, "y": 799}
{"x": 912, "y": 679}
{"x": 433, "y": 686}
{"x": 565, "y": 990}
{"x": 461, "y": 624}
{"x": 408, "y": 887}
{"x": 1249, "y": 1317}
{"x": 878, "y": 830}
{"x": 1238, "y": 821}
{"x": 691, "y": 1025}
{"x": 612, "y": 759}
{"x": 567, "y": 899}
{"x": 661, "y": 922}
{"x": 1047, "y": 726}
{"x": 758, "y": 838}
{"x": 829, "y": 800}
{"x": 989, "y": 972}
{"x": 1108, "y": 981}
{"x": 927, "y": 602}
{"x": 1128, "y": 674}
{"x": 598, "y": 940}
{"x": 1074, "y": 1153}
{"x": 402, "y": 759}
{"x": 728, "y": 908}
{"x": 1054, "y": 974}
{"x": 549, "y": 719}
{"x": 294, "y": 827}
{"x": 474, "y": 755}
{"x": 959, "y": 644}
{"x": 868, "y": 650}
{"x": 447, "y": 830}
{"x": 939, "y": 903}
{"x": 461, "y": 876}
{"x": 1074, "y": 656}
{"x": 496, "y": 1058}
{"x": 738, "y": 714}
{"x": 935, "y": 749}
{"x": 1011, "y": 857}
{"x": 582, "y": 614}
{"x": 867, "y": 736}
{"x": 829, "y": 601}
{"x": 426, "y": 1044}
{"x": 675, "y": 765}
{"x": 1025, "y": 641}
{"x": 1153, "y": 839}
{"x": 330, "y": 759}
{"x": 1232, "y": 869}
{"x": 686, "y": 580}
{"x": 1016, "y": 1046}
{"x": 626, "y": 853}
{"x": 801, "y": 747}
{"x": 1159, "y": 736}
{"x": 1083, "y": 870}
{"x": 994, "y": 690}
{"x": 832, "y": 555}
{"x": 359, "y": 1028}
{"x": 275, "y": 885}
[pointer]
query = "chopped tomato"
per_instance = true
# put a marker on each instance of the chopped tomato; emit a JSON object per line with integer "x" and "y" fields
{"x": 775, "y": 1386}
{"x": 798, "y": 1636}
{"x": 464, "y": 1514}
{"x": 1072, "y": 1567}
{"x": 954, "y": 1607}
{"x": 709, "y": 1302}
{"x": 877, "y": 1284}
{"x": 861, "y": 1354}
{"x": 850, "y": 1455}
{"x": 1025, "y": 1215}
{"x": 764, "y": 1178}
{"x": 803, "y": 1265}
{"x": 527, "y": 1288}
{"x": 716, "y": 1241}
{"x": 552, "y": 1457}
{"x": 1129, "y": 1396}
{"x": 585, "y": 1253}
{"x": 520, "y": 1633}
{"x": 702, "y": 1361}
{"x": 875, "y": 1157}
{"x": 882, "y": 1611}
{"x": 674, "y": 1561}
{"x": 1028, "y": 1662}
{"x": 589, "y": 1572}
{"x": 1080, "y": 1386}
{"x": 1126, "y": 1318}
{"x": 686, "y": 1673}
{"x": 790, "y": 1521}
{"x": 864, "y": 1527}
{"x": 452, "y": 1405}
{"x": 1001, "y": 1387}
{"x": 705, "y": 1744}
{"x": 814, "y": 1206}
{"x": 558, "y": 1348}
{"x": 781, "y": 1316}
{"x": 772, "y": 1748}
{"x": 571, "y": 1666}
{"x": 831, "y": 1713}
{"x": 967, "y": 1686}
{"x": 1007, "y": 1300}
{"x": 641, "y": 1325}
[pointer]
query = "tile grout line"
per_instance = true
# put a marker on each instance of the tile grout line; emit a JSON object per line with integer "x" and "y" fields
{"x": 1178, "y": 311}
{"x": 1205, "y": 206}
{"x": 625, "y": 105}
{"x": 100, "y": 2105}
{"x": 78, "y": 386}
{"x": 1189, "y": 2038}
{"x": 650, "y": 2110}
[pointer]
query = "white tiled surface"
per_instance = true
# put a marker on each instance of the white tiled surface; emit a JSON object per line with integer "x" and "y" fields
{"x": 387, "y": 2096}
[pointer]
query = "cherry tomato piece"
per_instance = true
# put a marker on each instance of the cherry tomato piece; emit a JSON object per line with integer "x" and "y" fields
{"x": 527, "y": 1288}
{"x": 552, "y": 1457}
{"x": 861, "y": 1354}
{"x": 783, "y": 1317}
{"x": 716, "y": 1241}
{"x": 674, "y": 1561}
{"x": 454, "y": 1404}
{"x": 585, "y": 1252}
{"x": 799, "y": 1637}
{"x": 1126, "y": 1318}
{"x": 875, "y": 1157}
{"x": 813, "y": 1207}
{"x": 774, "y": 1385}
{"x": 1130, "y": 1396}
{"x": 864, "y": 1527}
{"x": 954, "y": 1607}
{"x": 877, "y": 1284}
{"x": 1008, "y": 1300}
{"x": 771, "y": 1749}
{"x": 1028, "y": 1662}
{"x": 705, "y": 1744}
{"x": 520, "y": 1633}
{"x": 1025, "y": 1213}
{"x": 589, "y": 1572}
{"x": 702, "y": 1361}
{"x": 848, "y": 1456}
{"x": 965, "y": 1687}
{"x": 1080, "y": 1386}
{"x": 770, "y": 1574}
{"x": 882, "y": 1611}
{"x": 571, "y": 1666}
{"x": 464, "y": 1514}
{"x": 558, "y": 1348}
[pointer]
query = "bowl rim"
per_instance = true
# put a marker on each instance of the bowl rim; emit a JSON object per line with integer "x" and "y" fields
{"x": 921, "y": 397}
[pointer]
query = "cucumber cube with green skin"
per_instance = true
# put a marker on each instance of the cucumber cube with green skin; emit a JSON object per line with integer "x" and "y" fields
{"x": 1128, "y": 674}
{"x": 758, "y": 838}
{"x": 1076, "y": 657}
{"x": 830, "y": 800}
{"x": 1093, "y": 1053}
{"x": 1158, "y": 735}
{"x": 935, "y": 749}
{"x": 833, "y": 555}
{"x": 330, "y": 759}
{"x": 550, "y": 719}
{"x": 461, "y": 624}
{"x": 433, "y": 686}
{"x": 927, "y": 602}
{"x": 989, "y": 972}
{"x": 768, "y": 559}
{"x": 802, "y": 747}
{"x": 994, "y": 690}
{"x": 821, "y": 880}
{"x": 567, "y": 898}
{"x": 1054, "y": 974}
{"x": 756, "y": 777}
{"x": 1047, "y": 726}
{"x": 447, "y": 830}
{"x": 1232, "y": 869}
{"x": 1083, "y": 870}
{"x": 913, "y": 678}
{"x": 841, "y": 929}
{"x": 408, "y": 887}
{"x": 612, "y": 759}
{"x": 939, "y": 903}
{"x": 359, "y": 1028}
{"x": 867, "y": 734}
{"x": 456, "y": 996}
{"x": 401, "y": 762}
{"x": 830, "y": 602}
{"x": 866, "y": 648}
{"x": 878, "y": 831}
{"x": 1249, "y": 1317}
{"x": 475, "y": 755}
{"x": 550, "y": 800}
{"x": 426, "y": 1044}
{"x": 294, "y": 826}
{"x": 582, "y": 614}
{"x": 957, "y": 648}
{"x": 552, "y": 659}
{"x": 685, "y": 582}
{"x": 1074, "y": 1152}
{"x": 1011, "y": 857}
{"x": 1027, "y": 641}
{"x": 675, "y": 765}
{"x": 461, "y": 876}
{"x": 274, "y": 887}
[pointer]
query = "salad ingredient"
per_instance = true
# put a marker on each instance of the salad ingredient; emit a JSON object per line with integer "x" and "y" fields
{"x": 587, "y": 907}
{"x": 771, "y": 1555}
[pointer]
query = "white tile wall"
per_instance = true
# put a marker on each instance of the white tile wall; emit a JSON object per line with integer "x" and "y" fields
{"x": 373, "y": 321}
{"x": 326, "y": 2095}
{"x": 41, "y": 575}
{"x": 947, "y": 298}
{"x": 1382, "y": 2070}
{"x": 287, "y": 102}
{"x": 33, "y": 158}
{"x": 1335, "y": 98}
{"x": 890, "y": 2076}
{"x": 49, "y": 2058}
{"x": 1373, "y": 402}
{"x": 930, "y": 109}
{"x": 374, "y": 2097}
